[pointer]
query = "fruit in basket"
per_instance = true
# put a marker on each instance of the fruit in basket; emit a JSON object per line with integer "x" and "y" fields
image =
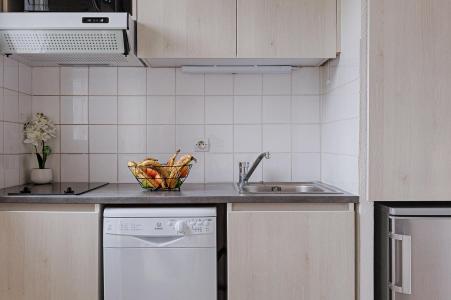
{"x": 141, "y": 176}
{"x": 153, "y": 175}
{"x": 177, "y": 168}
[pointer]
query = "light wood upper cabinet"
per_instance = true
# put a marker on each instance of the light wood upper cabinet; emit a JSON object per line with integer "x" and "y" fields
{"x": 186, "y": 28}
{"x": 409, "y": 100}
{"x": 287, "y": 28}
{"x": 49, "y": 252}
{"x": 291, "y": 252}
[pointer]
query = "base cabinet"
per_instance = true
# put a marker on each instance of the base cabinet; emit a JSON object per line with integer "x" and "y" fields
{"x": 49, "y": 252}
{"x": 291, "y": 252}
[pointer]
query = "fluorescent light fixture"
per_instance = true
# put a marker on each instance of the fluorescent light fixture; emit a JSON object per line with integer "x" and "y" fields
{"x": 237, "y": 69}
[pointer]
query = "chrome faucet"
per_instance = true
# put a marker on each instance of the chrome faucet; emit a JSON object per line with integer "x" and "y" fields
{"x": 246, "y": 173}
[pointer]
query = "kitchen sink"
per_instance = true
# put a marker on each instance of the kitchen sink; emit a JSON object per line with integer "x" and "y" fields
{"x": 287, "y": 188}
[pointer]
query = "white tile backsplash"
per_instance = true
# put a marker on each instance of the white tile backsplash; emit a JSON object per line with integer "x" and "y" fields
{"x": 219, "y": 109}
{"x": 277, "y": 84}
{"x": 277, "y": 168}
{"x": 218, "y": 84}
{"x": 247, "y": 109}
{"x": 132, "y": 81}
{"x": 218, "y": 167}
{"x": 220, "y": 138}
{"x": 306, "y": 81}
{"x": 107, "y": 120}
{"x": 247, "y": 138}
{"x": 306, "y": 166}
{"x": 188, "y": 84}
{"x": 103, "y": 81}
{"x": 103, "y": 138}
{"x": 132, "y": 109}
{"x": 132, "y": 138}
{"x": 306, "y": 138}
{"x": 248, "y": 84}
{"x": 11, "y": 74}
{"x": 74, "y": 81}
{"x": 48, "y": 105}
{"x": 45, "y": 81}
{"x": 305, "y": 109}
{"x": 189, "y": 110}
{"x": 276, "y": 109}
{"x": 276, "y": 137}
{"x": 160, "y": 109}
{"x": 74, "y": 167}
{"x": 103, "y": 167}
{"x": 102, "y": 109}
{"x": 160, "y": 81}
{"x": 186, "y": 136}
{"x": 74, "y": 109}
{"x": 74, "y": 139}
{"x": 15, "y": 109}
{"x": 25, "y": 79}
{"x": 24, "y": 107}
{"x": 11, "y": 106}
{"x": 161, "y": 138}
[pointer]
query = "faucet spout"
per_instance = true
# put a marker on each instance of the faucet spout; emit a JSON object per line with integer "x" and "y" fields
{"x": 244, "y": 179}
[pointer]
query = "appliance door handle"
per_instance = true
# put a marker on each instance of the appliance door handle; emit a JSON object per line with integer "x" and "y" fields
{"x": 406, "y": 263}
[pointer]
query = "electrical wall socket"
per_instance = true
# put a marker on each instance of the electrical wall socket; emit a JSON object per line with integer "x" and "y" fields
{"x": 202, "y": 146}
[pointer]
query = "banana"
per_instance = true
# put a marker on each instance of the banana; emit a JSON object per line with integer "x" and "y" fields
{"x": 177, "y": 169}
{"x": 172, "y": 158}
{"x": 149, "y": 163}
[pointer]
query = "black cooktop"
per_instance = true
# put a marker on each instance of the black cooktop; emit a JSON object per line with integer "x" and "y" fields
{"x": 56, "y": 188}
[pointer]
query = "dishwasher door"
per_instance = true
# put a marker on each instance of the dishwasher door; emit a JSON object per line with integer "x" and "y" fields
{"x": 160, "y": 258}
{"x": 160, "y": 274}
{"x": 420, "y": 257}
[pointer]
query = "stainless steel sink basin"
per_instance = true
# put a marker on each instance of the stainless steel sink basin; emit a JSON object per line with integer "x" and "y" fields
{"x": 288, "y": 188}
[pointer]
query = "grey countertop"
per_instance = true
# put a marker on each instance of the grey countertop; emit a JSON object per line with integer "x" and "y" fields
{"x": 191, "y": 193}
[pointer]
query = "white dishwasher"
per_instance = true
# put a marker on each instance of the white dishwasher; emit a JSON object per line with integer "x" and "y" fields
{"x": 160, "y": 253}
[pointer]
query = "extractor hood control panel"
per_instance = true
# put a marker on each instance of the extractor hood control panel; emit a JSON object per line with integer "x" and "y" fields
{"x": 95, "y": 20}
{"x": 159, "y": 226}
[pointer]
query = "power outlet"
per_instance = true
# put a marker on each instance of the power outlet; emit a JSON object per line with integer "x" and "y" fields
{"x": 202, "y": 146}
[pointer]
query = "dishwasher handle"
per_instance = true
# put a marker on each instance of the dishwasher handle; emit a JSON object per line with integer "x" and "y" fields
{"x": 406, "y": 263}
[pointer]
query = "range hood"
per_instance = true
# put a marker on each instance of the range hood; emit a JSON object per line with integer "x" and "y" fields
{"x": 54, "y": 39}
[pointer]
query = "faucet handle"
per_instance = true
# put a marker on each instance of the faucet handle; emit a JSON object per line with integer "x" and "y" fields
{"x": 243, "y": 169}
{"x": 243, "y": 166}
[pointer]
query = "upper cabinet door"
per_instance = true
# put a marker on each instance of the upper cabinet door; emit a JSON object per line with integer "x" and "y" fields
{"x": 409, "y": 100}
{"x": 287, "y": 28}
{"x": 187, "y": 28}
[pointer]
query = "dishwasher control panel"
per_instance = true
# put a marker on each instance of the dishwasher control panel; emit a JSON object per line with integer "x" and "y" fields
{"x": 160, "y": 226}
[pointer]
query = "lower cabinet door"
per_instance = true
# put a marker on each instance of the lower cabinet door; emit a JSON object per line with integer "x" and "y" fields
{"x": 49, "y": 252}
{"x": 290, "y": 254}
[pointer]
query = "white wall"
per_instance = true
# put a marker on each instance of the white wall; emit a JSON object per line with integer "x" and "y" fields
{"x": 108, "y": 116}
{"x": 15, "y": 109}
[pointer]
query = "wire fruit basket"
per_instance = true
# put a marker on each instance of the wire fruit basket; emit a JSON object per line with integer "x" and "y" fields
{"x": 155, "y": 176}
{"x": 163, "y": 178}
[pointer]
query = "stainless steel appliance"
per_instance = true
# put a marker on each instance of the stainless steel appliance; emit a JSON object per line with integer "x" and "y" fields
{"x": 160, "y": 253}
{"x": 412, "y": 252}
{"x": 78, "y": 5}
{"x": 83, "y": 38}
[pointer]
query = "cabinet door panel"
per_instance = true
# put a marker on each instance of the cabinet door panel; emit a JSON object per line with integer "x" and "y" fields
{"x": 409, "y": 100}
{"x": 187, "y": 28}
{"x": 296, "y": 255}
{"x": 287, "y": 28}
{"x": 49, "y": 255}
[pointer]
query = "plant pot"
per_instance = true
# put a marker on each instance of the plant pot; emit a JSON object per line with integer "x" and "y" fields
{"x": 41, "y": 176}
